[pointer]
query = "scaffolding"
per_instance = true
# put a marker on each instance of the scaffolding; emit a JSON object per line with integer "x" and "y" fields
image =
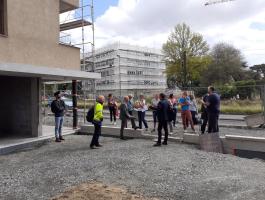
{"x": 76, "y": 20}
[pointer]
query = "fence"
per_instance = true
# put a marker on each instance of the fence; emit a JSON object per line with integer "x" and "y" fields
{"x": 243, "y": 100}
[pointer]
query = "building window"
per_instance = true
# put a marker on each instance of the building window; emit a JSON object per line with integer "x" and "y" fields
{"x": 3, "y": 20}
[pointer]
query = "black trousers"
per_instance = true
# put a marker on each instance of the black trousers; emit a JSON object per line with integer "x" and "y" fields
{"x": 97, "y": 133}
{"x": 123, "y": 126}
{"x": 132, "y": 120}
{"x": 141, "y": 118}
{"x": 193, "y": 115}
{"x": 213, "y": 122}
{"x": 204, "y": 118}
{"x": 112, "y": 112}
{"x": 162, "y": 125}
{"x": 155, "y": 118}
{"x": 175, "y": 111}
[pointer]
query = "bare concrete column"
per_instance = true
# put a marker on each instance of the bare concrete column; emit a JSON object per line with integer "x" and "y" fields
{"x": 35, "y": 109}
{"x": 74, "y": 93}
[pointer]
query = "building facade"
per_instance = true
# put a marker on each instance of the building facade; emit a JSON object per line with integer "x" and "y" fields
{"x": 30, "y": 54}
{"x": 127, "y": 69}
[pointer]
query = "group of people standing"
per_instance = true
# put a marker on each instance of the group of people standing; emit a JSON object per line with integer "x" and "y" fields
{"x": 164, "y": 110}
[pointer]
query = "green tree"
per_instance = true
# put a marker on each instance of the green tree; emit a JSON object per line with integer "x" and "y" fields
{"x": 227, "y": 66}
{"x": 183, "y": 41}
{"x": 259, "y": 70}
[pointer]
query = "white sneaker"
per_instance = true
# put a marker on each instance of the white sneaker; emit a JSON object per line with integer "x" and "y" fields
{"x": 171, "y": 133}
{"x": 114, "y": 123}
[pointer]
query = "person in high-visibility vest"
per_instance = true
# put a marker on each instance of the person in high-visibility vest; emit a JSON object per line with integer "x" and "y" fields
{"x": 97, "y": 121}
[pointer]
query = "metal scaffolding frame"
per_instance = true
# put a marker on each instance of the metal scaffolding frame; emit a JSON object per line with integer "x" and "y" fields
{"x": 80, "y": 18}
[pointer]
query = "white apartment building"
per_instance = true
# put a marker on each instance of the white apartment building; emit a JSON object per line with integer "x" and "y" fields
{"x": 128, "y": 69}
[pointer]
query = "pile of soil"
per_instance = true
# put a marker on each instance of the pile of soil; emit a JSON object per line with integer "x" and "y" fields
{"x": 98, "y": 191}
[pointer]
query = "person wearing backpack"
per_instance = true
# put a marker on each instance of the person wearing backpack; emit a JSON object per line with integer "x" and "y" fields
{"x": 97, "y": 121}
{"x": 58, "y": 108}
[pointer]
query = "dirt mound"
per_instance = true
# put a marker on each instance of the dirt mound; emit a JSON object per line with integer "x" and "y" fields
{"x": 98, "y": 191}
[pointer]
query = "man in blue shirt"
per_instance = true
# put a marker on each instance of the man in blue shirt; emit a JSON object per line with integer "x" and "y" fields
{"x": 184, "y": 102}
{"x": 213, "y": 110}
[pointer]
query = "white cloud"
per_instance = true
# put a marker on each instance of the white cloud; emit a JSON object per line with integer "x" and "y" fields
{"x": 149, "y": 22}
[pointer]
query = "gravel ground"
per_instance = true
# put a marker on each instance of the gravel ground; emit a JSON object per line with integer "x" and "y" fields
{"x": 175, "y": 171}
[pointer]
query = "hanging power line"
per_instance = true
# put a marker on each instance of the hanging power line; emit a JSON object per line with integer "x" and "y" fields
{"x": 216, "y": 2}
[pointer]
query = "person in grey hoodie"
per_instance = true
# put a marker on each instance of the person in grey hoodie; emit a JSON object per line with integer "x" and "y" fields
{"x": 124, "y": 116}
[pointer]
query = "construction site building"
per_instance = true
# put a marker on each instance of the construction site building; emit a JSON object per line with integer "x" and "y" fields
{"x": 127, "y": 69}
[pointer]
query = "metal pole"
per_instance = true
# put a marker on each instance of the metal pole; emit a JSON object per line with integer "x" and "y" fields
{"x": 93, "y": 47}
{"x": 119, "y": 74}
{"x": 83, "y": 39}
{"x": 264, "y": 104}
{"x": 74, "y": 95}
{"x": 185, "y": 69}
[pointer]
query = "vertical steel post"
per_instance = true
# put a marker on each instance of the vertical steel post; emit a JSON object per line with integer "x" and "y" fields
{"x": 84, "y": 110}
{"x": 185, "y": 69}
{"x": 119, "y": 57}
{"x": 264, "y": 104}
{"x": 83, "y": 67}
{"x": 93, "y": 47}
{"x": 74, "y": 95}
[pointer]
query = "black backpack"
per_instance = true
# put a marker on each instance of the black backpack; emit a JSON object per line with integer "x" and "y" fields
{"x": 90, "y": 114}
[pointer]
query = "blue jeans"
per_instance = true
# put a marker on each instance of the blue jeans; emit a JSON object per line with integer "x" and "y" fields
{"x": 58, "y": 126}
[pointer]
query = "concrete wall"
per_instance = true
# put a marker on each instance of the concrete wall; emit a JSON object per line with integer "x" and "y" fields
{"x": 33, "y": 36}
{"x": 19, "y": 106}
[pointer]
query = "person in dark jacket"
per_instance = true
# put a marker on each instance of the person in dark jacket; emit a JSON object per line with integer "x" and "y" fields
{"x": 130, "y": 110}
{"x": 204, "y": 115}
{"x": 112, "y": 109}
{"x": 124, "y": 116}
{"x": 213, "y": 110}
{"x": 58, "y": 108}
{"x": 163, "y": 108}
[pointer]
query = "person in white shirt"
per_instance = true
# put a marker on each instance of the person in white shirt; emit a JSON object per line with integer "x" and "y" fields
{"x": 142, "y": 108}
{"x": 193, "y": 109}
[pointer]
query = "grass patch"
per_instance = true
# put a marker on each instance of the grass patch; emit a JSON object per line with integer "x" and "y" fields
{"x": 243, "y": 107}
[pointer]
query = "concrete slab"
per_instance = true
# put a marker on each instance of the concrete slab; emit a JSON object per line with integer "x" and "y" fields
{"x": 211, "y": 143}
{"x": 191, "y": 138}
{"x": 9, "y": 145}
{"x": 112, "y": 131}
{"x": 233, "y": 142}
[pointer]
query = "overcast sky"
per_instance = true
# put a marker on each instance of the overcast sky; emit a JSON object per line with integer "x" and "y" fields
{"x": 149, "y": 22}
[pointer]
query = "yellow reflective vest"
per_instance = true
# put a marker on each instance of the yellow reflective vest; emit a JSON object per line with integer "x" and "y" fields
{"x": 98, "y": 113}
